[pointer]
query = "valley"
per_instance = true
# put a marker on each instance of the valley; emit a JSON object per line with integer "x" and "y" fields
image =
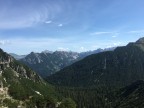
{"x": 108, "y": 79}
{"x": 71, "y": 54}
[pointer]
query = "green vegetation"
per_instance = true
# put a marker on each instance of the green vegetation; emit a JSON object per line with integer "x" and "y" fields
{"x": 10, "y": 103}
{"x": 30, "y": 92}
{"x": 120, "y": 67}
{"x": 20, "y": 86}
{"x": 67, "y": 103}
{"x": 89, "y": 97}
{"x": 99, "y": 80}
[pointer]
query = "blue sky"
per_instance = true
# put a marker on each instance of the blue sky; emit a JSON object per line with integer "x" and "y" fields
{"x": 76, "y": 25}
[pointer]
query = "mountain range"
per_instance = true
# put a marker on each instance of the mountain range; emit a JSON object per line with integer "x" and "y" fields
{"x": 21, "y": 87}
{"x": 120, "y": 67}
{"x": 48, "y": 62}
{"x": 109, "y": 79}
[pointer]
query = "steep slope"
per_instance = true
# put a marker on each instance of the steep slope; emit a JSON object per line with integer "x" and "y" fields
{"x": 112, "y": 68}
{"x": 47, "y": 63}
{"x": 20, "y": 86}
{"x": 131, "y": 96}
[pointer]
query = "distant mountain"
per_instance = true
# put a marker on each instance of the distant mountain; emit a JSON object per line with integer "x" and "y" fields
{"x": 48, "y": 62}
{"x": 87, "y": 53}
{"x": 120, "y": 67}
{"x": 20, "y": 87}
{"x": 17, "y": 57}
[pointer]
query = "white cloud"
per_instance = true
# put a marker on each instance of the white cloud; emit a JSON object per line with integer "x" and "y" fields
{"x": 136, "y": 31}
{"x": 100, "y": 33}
{"x": 60, "y": 25}
{"x": 117, "y": 43}
{"x": 28, "y": 14}
{"x": 82, "y": 49}
{"x": 114, "y": 36}
{"x": 48, "y": 22}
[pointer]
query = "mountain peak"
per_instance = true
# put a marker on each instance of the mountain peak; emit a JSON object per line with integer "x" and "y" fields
{"x": 140, "y": 41}
{"x": 33, "y": 54}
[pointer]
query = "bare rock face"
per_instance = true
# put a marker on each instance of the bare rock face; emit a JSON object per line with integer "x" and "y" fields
{"x": 20, "y": 84}
{"x": 5, "y": 60}
{"x": 47, "y": 63}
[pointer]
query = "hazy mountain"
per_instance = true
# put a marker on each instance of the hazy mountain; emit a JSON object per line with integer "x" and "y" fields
{"x": 21, "y": 87}
{"x": 48, "y": 62}
{"x": 87, "y": 53}
{"x": 17, "y": 57}
{"x": 114, "y": 68}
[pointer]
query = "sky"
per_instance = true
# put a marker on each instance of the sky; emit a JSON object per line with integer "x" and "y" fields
{"x": 69, "y": 25}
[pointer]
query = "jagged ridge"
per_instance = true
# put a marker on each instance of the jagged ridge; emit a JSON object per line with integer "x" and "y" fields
{"x": 48, "y": 63}
{"x": 20, "y": 86}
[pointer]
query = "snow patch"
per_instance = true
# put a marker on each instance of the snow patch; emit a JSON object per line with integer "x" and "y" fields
{"x": 37, "y": 92}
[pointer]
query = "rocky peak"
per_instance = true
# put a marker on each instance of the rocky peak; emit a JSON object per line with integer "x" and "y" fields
{"x": 20, "y": 70}
{"x": 5, "y": 60}
{"x": 33, "y": 53}
{"x": 140, "y": 41}
{"x": 4, "y": 57}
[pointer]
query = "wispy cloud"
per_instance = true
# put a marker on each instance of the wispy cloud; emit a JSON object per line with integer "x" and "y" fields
{"x": 48, "y": 22}
{"x": 115, "y": 35}
{"x": 136, "y": 31}
{"x": 100, "y": 33}
{"x": 27, "y": 14}
{"x": 111, "y": 34}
